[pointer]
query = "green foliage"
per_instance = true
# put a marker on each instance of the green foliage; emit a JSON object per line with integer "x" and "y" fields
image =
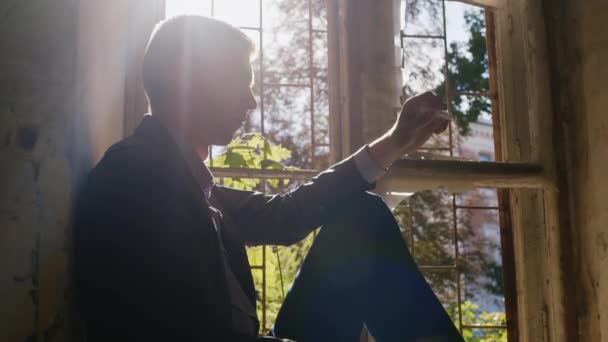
{"x": 254, "y": 151}
{"x": 468, "y": 71}
{"x": 472, "y": 316}
{"x": 282, "y": 264}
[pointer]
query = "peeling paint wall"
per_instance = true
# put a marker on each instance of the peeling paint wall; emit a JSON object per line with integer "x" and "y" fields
{"x": 62, "y": 86}
{"x": 38, "y": 45}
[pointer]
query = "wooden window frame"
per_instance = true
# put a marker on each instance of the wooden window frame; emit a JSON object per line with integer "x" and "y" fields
{"x": 533, "y": 193}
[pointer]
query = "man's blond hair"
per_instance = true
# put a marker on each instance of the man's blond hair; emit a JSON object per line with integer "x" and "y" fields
{"x": 184, "y": 41}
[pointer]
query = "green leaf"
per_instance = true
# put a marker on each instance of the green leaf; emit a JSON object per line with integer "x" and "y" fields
{"x": 270, "y": 164}
{"x": 235, "y": 160}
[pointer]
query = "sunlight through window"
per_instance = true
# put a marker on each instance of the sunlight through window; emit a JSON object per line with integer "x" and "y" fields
{"x": 237, "y": 12}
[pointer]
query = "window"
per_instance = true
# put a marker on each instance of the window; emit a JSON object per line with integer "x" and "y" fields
{"x": 291, "y": 86}
{"x": 455, "y": 237}
{"x": 483, "y": 156}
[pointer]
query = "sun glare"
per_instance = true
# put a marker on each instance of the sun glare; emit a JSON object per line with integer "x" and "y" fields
{"x": 237, "y": 12}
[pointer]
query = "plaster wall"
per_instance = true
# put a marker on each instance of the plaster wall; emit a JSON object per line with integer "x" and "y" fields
{"x": 61, "y": 105}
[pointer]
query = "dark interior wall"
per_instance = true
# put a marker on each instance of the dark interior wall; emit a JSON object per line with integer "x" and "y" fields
{"x": 62, "y": 86}
{"x": 37, "y": 75}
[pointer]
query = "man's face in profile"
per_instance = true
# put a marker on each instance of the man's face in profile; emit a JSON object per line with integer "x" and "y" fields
{"x": 222, "y": 98}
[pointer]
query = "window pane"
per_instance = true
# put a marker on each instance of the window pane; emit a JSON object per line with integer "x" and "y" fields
{"x": 423, "y": 17}
{"x": 494, "y": 335}
{"x": 238, "y": 12}
{"x": 482, "y": 197}
{"x": 467, "y": 58}
{"x": 286, "y": 42}
{"x": 480, "y": 264}
{"x": 254, "y": 255}
{"x": 319, "y": 14}
{"x": 322, "y": 155}
{"x": 473, "y": 116}
{"x": 423, "y": 69}
{"x": 287, "y": 121}
{"x": 175, "y": 7}
{"x": 427, "y": 227}
{"x": 321, "y": 88}
{"x": 321, "y": 103}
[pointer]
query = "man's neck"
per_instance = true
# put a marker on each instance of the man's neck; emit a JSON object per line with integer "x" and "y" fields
{"x": 179, "y": 133}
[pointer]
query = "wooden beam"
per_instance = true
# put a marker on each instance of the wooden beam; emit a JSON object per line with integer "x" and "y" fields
{"x": 503, "y": 195}
{"x": 413, "y": 175}
{"x": 262, "y": 174}
{"x": 459, "y": 176}
{"x": 527, "y": 121}
{"x": 483, "y": 3}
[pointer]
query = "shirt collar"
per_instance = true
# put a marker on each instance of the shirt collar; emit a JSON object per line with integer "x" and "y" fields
{"x": 198, "y": 169}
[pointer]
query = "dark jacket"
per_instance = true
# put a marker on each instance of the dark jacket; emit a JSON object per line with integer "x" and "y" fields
{"x": 147, "y": 261}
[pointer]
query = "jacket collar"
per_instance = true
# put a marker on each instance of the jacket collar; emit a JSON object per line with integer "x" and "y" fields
{"x": 153, "y": 130}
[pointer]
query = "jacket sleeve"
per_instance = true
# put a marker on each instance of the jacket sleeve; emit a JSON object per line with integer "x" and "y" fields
{"x": 284, "y": 219}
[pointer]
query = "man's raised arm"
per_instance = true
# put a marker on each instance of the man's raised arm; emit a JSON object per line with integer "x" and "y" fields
{"x": 286, "y": 218}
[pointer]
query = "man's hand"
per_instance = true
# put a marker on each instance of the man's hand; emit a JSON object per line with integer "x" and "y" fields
{"x": 421, "y": 116}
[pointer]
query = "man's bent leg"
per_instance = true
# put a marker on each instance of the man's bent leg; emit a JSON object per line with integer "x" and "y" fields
{"x": 360, "y": 271}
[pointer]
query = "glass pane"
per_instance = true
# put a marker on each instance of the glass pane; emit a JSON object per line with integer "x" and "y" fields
{"x": 254, "y": 254}
{"x": 480, "y": 265}
{"x": 432, "y": 240}
{"x": 494, "y": 335}
{"x": 175, "y": 7}
{"x": 321, "y": 88}
{"x": 319, "y": 14}
{"x": 286, "y": 42}
{"x": 467, "y": 57}
{"x": 473, "y": 118}
{"x": 287, "y": 121}
{"x": 423, "y": 66}
{"x": 284, "y": 185}
{"x": 321, "y": 103}
{"x": 322, "y": 155}
{"x": 482, "y": 197}
{"x": 213, "y": 153}
{"x": 423, "y": 17}
{"x": 320, "y": 54}
{"x": 238, "y": 12}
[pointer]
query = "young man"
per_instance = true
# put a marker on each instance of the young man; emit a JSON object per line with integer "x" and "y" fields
{"x": 160, "y": 249}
